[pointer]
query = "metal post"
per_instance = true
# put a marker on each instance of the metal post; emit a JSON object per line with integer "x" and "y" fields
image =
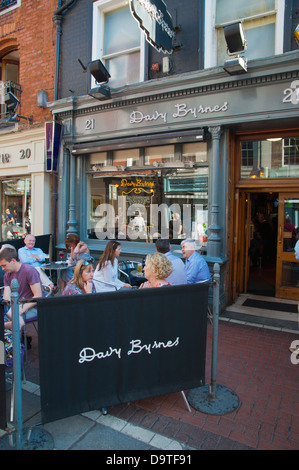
{"x": 24, "y": 438}
{"x": 215, "y": 329}
{"x": 214, "y": 399}
{"x": 17, "y": 369}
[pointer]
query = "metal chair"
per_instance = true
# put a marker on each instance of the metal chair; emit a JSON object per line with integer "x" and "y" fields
{"x": 108, "y": 284}
{"x": 46, "y": 291}
{"x": 125, "y": 269}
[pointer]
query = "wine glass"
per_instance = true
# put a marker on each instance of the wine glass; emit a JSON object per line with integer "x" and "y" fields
{"x": 61, "y": 255}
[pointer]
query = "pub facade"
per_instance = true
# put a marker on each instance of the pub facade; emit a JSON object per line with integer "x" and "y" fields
{"x": 205, "y": 147}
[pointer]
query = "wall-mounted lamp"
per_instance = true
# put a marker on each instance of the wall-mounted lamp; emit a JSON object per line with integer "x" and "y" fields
{"x": 236, "y": 44}
{"x": 101, "y": 75}
{"x": 12, "y": 104}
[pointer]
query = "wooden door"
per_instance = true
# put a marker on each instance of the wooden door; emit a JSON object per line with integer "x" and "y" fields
{"x": 241, "y": 242}
{"x": 287, "y": 268}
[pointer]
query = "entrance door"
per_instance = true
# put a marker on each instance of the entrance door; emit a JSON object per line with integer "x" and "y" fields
{"x": 287, "y": 272}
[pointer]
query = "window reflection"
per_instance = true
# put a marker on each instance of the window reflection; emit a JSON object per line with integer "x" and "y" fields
{"x": 162, "y": 184}
{"x": 16, "y": 200}
{"x": 270, "y": 158}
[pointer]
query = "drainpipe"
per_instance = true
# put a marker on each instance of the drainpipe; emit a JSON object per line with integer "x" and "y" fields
{"x": 57, "y": 19}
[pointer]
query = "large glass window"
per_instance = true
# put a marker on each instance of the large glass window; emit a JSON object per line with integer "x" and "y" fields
{"x": 270, "y": 158}
{"x": 117, "y": 42}
{"x": 16, "y": 203}
{"x": 171, "y": 199}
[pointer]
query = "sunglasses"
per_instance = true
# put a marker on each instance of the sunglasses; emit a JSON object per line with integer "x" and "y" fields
{"x": 86, "y": 263}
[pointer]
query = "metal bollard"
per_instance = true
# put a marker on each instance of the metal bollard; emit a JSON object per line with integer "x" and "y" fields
{"x": 216, "y": 297}
{"x": 213, "y": 398}
{"x": 17, "y": 370}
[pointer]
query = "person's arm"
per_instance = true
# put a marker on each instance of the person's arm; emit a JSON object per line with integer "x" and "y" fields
{"x": 37, "y": 293}
{"x": 24, "y": 256}
{"x": 191, "y": 271}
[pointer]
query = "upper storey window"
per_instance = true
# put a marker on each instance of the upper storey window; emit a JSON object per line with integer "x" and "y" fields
{"x": 263, "y": 23}
{"x": 7, "y": 5}
{"x": 118, "y": 42}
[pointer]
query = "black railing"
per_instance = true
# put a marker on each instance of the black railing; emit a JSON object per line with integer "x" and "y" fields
{"x": 4, "y": 4}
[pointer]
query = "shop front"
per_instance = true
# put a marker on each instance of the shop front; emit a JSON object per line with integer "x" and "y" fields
{"x": 25, "y": 192}
{"x": 177, "y": 158}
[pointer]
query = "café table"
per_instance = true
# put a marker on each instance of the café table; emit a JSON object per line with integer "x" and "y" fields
{"x": 140, "y": 276}
{"x": 57, "y": 266}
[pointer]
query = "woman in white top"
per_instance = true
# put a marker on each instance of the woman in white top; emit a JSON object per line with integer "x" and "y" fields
{"x": 107, "y": 268}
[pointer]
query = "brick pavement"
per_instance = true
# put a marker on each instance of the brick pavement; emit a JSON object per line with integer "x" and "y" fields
{"x": 255, "y": 363}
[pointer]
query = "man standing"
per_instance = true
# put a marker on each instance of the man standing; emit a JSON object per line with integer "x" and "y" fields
{"x": 28, "y": 279}
{"x": 178, "y": 275}
{"x": 196, "y": 267}
{"x": 9, "y": 221}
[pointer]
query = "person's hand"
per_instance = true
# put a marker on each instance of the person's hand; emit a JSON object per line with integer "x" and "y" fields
{"x": 88, "y": 287}
{"x": 127, "y": 285}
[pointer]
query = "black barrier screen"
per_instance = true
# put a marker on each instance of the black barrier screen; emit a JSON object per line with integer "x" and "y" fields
{"x": 99, "y": 350}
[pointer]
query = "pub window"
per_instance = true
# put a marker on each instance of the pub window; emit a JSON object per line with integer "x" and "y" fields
{"x": 247, "y": 154}
{"x": 275, "y": 157}
{"x": 291, "y": 151}
{"x": 118, "y": 42}
{"x": 179, "y": 191}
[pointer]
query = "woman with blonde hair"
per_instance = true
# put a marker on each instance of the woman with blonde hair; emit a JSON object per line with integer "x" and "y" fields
{"x": 81, "y": 283}
{"x": 157, "y": 268}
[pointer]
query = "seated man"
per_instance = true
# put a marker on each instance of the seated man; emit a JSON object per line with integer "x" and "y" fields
{"x": 178, "y": 275}
{"x": 196, "y": 267}
{"x": 29, "y": 254}
{"x": 28, "y": 279}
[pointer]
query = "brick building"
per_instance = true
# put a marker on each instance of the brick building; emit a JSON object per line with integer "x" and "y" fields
{"x": 27, "y": 65}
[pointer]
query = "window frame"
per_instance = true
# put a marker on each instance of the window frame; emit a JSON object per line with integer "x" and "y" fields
{"x": 211, "y": 30}
{"x": 100, "y": 8}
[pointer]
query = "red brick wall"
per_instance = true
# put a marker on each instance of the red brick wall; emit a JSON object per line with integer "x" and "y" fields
{"x": 31, "y": 29}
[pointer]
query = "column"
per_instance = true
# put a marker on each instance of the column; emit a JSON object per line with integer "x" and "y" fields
{"x": 72, "y": 222}
{"x": 214, "y": 239}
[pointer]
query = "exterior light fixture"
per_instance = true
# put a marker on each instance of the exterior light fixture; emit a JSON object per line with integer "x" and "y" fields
{"x": 236, "y": 44}
{"x": 12, "y": 104}
{"x": 101, "y": 75}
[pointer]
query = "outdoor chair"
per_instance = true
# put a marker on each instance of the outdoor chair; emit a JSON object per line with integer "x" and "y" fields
{"x": 125, "y": 273}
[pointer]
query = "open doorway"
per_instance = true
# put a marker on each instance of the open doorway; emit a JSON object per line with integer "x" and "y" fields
{"x": 262, "y": 243}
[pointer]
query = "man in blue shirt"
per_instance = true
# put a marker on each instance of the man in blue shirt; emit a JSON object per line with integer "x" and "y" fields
{"x": 178, "y": 275}
{"x": 196, "y": 267}
{"x": 29, "y": 254}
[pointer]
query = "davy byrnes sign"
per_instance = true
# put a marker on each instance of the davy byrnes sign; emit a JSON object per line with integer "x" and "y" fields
{"x": 156, "y": 22}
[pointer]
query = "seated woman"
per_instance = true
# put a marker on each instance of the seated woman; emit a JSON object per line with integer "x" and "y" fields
{"x": 107, "y": 268}
{"x": 81, "y": 283}
{"x": 156, "y": 269}
{"x": 78, "y": 250}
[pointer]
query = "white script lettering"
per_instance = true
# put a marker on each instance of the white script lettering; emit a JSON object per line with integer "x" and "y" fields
{"x": 137, "y": 347}
{"x": 89, "y": 354}
{"x": 138, "y": 116}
